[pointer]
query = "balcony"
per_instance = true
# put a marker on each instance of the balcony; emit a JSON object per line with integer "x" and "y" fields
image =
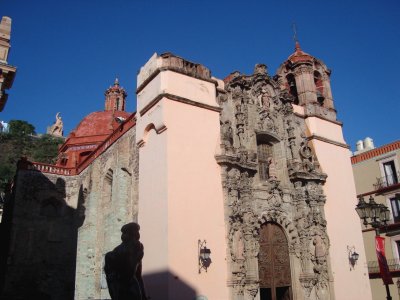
{"x": 387, "y": 181}
{"x": 393, "y": 264}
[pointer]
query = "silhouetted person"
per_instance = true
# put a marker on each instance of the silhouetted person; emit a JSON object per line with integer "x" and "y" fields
{"x": 123, "y": 266}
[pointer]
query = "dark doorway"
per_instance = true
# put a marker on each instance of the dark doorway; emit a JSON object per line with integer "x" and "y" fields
{"x": 274, "y": 264}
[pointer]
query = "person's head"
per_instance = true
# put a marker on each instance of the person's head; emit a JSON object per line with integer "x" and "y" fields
{"x": 130, "y": 232}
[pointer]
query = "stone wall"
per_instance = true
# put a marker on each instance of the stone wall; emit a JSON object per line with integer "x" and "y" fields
{"x": 42, "y": 249}
{"x": 110, "y": 201}
{"x": 63, "y": 225}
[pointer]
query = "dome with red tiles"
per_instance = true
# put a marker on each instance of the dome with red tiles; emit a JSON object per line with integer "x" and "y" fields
{"x": 299, "y": 55}
{"x": 100, "y": 123}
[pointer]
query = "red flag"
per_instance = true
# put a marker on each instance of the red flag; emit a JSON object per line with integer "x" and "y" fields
{"x": 383, "y": 266}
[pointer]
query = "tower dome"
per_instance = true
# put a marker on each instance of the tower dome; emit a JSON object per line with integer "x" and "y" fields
{"x": 95, "y": 128}
{"x": 299, "y": 56}
{"x": 307, "y": 79}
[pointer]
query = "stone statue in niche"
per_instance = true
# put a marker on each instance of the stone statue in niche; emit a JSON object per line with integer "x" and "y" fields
{"x": 241, "y": 136}
{"x": 265, "y": 99}
{"x": 237, "y": 249}
{"x": 275, "y": 198}
{"x": 319, "y": 260}
{"x": 307, "y": 156}
{"x": 319, "y": 247}
{"x": 272, "y": 171}
{"x": 238, "y": 245}
{"x": 227, "y": 134}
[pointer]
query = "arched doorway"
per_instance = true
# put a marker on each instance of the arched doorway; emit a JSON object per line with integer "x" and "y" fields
{"x": 274, "y": 264}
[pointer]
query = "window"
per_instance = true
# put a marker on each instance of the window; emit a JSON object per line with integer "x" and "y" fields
{"x": 398, "y": 248}
{"x": 389, "y": 170}
{"x": 395, "y": 204}
{"x": 292, "y": 87}
{"x": 264, "y": 151}
{"x": 319, "y": 87}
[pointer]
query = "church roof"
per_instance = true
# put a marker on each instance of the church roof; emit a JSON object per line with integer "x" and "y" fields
{"x": 99, "y": 123}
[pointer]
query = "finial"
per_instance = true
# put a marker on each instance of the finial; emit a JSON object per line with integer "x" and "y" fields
{"x": 294, "y": 32}
{"x": 295, "y": 39}
{"x": 116, "y": 82}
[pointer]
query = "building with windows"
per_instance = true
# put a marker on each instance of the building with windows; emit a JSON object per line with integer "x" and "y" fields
{"x": 377, "y": 174}
{"x": 242, "y": 187}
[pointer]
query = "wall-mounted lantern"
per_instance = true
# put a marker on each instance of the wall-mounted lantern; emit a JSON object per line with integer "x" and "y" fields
{"x": 353, "y": 256}
{"x": 204, "y": 255}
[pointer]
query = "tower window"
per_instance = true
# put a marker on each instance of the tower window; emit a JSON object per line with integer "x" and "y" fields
{"x": 292, "y": 87}
{"x": 319, "y": 87}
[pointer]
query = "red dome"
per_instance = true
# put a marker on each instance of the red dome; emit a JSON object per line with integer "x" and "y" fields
{"x": 99, "y": 123}
{"x": 299, "y": 55}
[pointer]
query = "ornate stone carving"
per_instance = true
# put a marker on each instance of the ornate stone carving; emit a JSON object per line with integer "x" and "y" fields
{"x": 227, "y": 135}
{"x": 303, "y": 69}
{"x": 265, "y": 99}
{"x": 308, "y": 282}
{"x": 237, "y": 251}
{"x": 240, "y": 123}
{"x": 252, "y": 289}
{"x": 260, "y": 69}
{"x": 320, "y": 251}
{"x": 257, "y": 111}
{"x": 272, "y": 172}
{"x": 267, "y": 122}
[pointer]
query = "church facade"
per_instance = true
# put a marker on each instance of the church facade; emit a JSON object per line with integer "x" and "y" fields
{"x": 251, "y": 170}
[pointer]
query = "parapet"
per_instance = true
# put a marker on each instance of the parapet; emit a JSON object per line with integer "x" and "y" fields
{"x": 169, "y": 61}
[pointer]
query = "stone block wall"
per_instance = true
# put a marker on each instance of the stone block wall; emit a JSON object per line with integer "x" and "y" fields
{"x": 61, "y": 226}
{"x": 110, "y": 201}
{"x": 42, "y": 248}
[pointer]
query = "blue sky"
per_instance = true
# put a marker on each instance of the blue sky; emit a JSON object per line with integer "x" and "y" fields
{"x": 69, "y": 52}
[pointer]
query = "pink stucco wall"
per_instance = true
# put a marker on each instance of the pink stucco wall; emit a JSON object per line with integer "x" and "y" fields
{"x": 180, "y": 190}
{"x": 195, "y": 198}
{"x": 343, "y": 226}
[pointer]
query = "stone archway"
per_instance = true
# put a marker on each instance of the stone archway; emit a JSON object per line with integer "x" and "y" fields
{"x": 274, "y": 263}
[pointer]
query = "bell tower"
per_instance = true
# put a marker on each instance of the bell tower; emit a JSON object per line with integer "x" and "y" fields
{"x": 115, "y": 97}
{"x": 307, "y": 79}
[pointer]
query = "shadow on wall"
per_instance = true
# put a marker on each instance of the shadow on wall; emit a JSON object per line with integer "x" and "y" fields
{"x": 39, "y": 239}
{"x": 165, "y": 285}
